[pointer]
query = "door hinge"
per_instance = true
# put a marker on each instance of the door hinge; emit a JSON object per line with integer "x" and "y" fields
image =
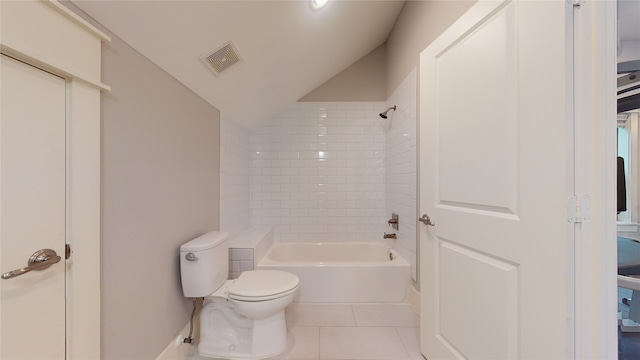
{"x": 67, "y": 251}
{"x": 579, "y": 209}
{"x": 575, "y": 3}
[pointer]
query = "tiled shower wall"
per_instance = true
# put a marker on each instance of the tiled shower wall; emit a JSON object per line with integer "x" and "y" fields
{"x": 400, "y": 166}
{"x": 234, "y": 178}
{"x": 318, "y": 174}
{"x": 325, "y": 172}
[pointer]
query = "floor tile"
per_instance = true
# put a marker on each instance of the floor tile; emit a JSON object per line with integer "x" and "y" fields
{"x": 193, "y": 355}
{"x": 349, "y": 332}
{"x": 302, "y": 343}
{"x": 385, "y": 315}
{"x": 410, "y": 337}
{"x": 319, "y": 315}
{"x": 361, "y": 343}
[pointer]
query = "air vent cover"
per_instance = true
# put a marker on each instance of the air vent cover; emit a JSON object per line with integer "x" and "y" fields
{"x": 221, "y": 59}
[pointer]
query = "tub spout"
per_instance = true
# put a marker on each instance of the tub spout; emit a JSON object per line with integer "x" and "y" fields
{"x": 389, "y": 236}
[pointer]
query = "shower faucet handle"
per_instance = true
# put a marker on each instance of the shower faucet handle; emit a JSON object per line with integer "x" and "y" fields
{"x": 394, "y": 221}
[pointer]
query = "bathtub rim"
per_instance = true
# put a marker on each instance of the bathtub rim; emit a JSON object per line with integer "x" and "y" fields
{"x": 398, "y": 259}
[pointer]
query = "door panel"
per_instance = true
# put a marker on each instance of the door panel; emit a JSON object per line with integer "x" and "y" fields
{"x": 494, "y": 145}
{"x": 493, "y": 166}
{"x": 482, "y": 299}
{"x": 32, "y": 212}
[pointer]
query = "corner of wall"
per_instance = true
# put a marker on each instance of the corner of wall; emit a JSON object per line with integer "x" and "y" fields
{"x": 413, "y": 297}
{"x": 401, "y": 167}
{"x": 177, "y": 349}
{"x": 235, "y": 148}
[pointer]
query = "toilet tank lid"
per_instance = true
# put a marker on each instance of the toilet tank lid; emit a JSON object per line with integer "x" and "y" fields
{"x": 205, "y": 241}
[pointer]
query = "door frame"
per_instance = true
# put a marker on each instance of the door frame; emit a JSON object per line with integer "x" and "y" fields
{"x": 70, "y": 48}
{"x": 595, "y": 246}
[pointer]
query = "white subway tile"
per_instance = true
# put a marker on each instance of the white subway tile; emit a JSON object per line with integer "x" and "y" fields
{"x": 246, "y": 265}
{"x": 267, "y": 187}
{"x": 234, "y": 266}
{"x": 289, "y": 187}
{"x": 330, "y": 169}
{"x": 299, "y": 196}
{"x": 241, "y": 254}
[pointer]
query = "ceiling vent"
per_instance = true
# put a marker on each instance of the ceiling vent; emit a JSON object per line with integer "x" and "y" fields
{"x": 221, "y": 59}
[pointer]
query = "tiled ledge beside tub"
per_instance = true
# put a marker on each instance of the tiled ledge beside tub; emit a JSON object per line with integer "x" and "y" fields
{"x": 246, "y": 249}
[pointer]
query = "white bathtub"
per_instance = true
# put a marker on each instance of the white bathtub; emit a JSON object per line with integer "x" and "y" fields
{"x": 347, "y": 272}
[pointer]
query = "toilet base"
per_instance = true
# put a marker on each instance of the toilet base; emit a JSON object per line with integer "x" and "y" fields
{"x": 226, "y": 334}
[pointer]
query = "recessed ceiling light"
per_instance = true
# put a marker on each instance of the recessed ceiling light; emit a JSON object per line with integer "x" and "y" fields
{"x": 318, "y": 4}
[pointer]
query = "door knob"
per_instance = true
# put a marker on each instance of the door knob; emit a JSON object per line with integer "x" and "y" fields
{"x": 425, "y": 219}
{"x": 39, "y": 260}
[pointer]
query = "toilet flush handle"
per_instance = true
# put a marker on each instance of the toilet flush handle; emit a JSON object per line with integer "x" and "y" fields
{"x": 191, "y": 257}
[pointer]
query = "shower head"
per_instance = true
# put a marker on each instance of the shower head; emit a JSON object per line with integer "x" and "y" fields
{"x": 384, "y": 113}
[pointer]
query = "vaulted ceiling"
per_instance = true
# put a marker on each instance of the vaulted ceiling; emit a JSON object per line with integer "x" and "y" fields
{"x": 286, "y": 48}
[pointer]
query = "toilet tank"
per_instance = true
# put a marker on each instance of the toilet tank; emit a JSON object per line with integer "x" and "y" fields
{"x": 204, "y": 264}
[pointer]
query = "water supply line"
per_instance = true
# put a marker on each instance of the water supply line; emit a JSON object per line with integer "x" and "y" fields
{"x": 190, "y": 340}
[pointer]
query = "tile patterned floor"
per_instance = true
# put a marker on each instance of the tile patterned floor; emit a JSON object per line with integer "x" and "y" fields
{"x": 350, "y": 332}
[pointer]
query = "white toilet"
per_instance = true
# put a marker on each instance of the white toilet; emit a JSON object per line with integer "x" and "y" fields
{"x": 241, "y": 318}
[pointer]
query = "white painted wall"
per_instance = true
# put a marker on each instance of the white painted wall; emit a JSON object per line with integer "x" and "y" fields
{"x": 365, "y": 80}
{"x": 160, "y": 188}
{"x": 419, "y": 23}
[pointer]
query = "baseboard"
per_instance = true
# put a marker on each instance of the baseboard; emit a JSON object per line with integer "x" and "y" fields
{"x": 628, "y": 227}
{"x": 177, "y": 349}
{"x": 413, "y": 298}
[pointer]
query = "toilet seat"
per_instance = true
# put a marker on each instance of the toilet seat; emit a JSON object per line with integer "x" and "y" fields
{"x": 262, "y": 285}
{"x": 261, "y": 298}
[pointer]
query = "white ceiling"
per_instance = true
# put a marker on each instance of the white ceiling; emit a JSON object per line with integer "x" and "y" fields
{"x": 287, "y": 49}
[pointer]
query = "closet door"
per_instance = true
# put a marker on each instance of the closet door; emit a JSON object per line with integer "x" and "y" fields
{"x": 32, "y": 211}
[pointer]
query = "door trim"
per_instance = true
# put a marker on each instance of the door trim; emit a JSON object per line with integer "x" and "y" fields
{"x": 72, "y": 50}
{"x": 595, "y": 246}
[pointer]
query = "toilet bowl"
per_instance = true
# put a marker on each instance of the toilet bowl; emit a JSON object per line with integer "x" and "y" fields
{"x": 255, "y": 325}
{"x": 241, "y": 318}
{"x": 261, "y": 293}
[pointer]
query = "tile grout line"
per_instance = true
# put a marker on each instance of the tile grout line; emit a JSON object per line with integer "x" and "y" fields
{"x": 353, "y": 313}
{"x": 319, "y": 343}
{"x": 404, "y": 346}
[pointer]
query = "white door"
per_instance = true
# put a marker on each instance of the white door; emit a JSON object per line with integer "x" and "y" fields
{"x": 32, "y": 212}
{"x": 494, "y": 151}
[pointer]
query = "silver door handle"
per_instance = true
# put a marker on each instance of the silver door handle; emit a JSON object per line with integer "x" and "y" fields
{"x": 425, "y": 219}
{"x": 39, "y": 260}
